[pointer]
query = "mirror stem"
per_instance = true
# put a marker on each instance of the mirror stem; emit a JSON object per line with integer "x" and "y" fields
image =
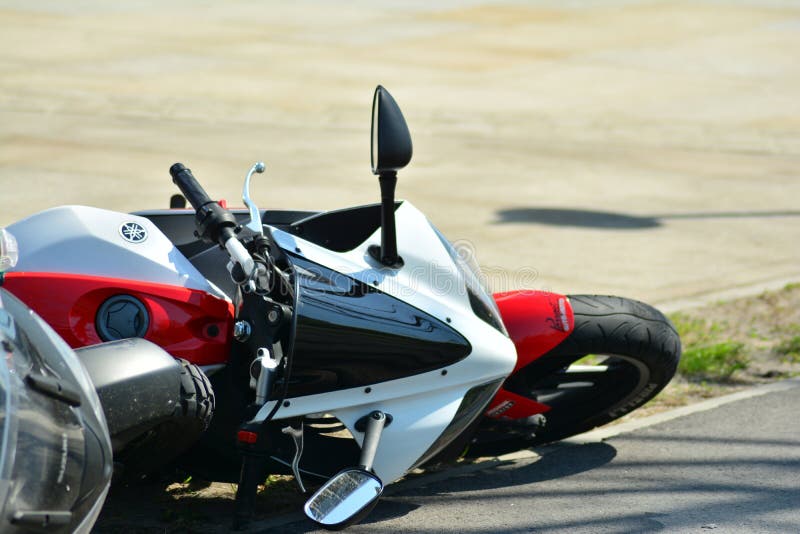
{"x": 388, "y": 251}
{"x": 372, "y": 436}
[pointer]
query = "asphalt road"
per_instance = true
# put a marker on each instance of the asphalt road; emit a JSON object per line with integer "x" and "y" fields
{"x": 734, "y": 468}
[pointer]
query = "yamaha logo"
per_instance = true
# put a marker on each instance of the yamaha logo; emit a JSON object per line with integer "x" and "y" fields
{"x": 133, "y": 232}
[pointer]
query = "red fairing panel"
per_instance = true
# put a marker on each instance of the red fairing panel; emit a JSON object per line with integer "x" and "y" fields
{"x": 507, "y": 405}
{"x": 536, "y": 321}
{"x": 187, "y": 323}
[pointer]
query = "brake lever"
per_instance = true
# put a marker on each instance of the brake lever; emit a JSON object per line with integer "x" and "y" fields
{"x": 254, "y": 225}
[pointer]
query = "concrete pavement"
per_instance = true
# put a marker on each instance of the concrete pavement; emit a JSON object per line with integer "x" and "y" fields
{"x": 641, "y": 148}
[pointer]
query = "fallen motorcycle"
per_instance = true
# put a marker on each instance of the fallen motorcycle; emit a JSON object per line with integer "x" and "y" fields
{"x": 317, "y": 328}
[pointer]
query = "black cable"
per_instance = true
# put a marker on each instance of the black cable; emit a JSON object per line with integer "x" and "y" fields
{"x": 288, "y": 357}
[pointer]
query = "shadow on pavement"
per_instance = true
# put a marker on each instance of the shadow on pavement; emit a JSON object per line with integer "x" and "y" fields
{"x": 618, "y": 221}
{"x": 617, "y": 494}
{"x": 559, "y": 463}
{"x": 605, "y": 485}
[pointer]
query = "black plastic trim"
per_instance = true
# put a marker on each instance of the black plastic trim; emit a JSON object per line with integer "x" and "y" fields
{"x": 340, "y": 230}
{"x": 122, "y": 317}
{"x": 350, "y": 334}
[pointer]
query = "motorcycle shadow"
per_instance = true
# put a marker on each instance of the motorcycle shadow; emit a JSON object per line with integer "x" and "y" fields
{"x": 167, "y": 505}
{"x": 556, "y": 461}
{"x": 203, "y": 507}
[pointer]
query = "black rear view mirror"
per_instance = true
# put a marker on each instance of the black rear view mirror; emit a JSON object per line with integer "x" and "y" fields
{"x": 390, "y": 151}
{"x": 391, "y": 141}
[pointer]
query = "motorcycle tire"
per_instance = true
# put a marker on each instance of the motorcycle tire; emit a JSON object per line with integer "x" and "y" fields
{"x": 197, "y": 395}
{"x": 160, "y": 445}
{"x": 635, "y": 349}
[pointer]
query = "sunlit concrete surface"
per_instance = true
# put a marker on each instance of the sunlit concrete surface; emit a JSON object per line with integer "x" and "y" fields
{"x": 649, "y": 149}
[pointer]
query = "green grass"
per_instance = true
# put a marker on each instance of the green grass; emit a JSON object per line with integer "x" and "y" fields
{"x": 279, "y": 481}
{"x": 708, "y": 354}
{"x": 590, "y": 359}
{"x": 789, "y": 349}
{"x": 713, "y": 362}
{"x": 695, "y": 331}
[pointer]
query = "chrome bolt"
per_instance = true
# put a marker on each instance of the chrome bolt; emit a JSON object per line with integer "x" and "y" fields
{"x": 241, "y": 330}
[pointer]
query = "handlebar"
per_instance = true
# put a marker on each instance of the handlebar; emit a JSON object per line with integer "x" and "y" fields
{"x": 215, "y": 224}
{"x": 189, "y": 186}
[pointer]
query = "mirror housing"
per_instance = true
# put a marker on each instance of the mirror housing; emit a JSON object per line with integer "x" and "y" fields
{"x": 345, "y": 499}
{"x": 391, "y": 142}
{"x": 390, "y": 151}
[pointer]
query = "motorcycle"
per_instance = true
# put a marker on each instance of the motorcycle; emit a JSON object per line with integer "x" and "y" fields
{"x": 318, "y": 334}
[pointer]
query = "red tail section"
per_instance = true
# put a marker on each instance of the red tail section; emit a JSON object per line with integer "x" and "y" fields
{"x": 537, "y": 321}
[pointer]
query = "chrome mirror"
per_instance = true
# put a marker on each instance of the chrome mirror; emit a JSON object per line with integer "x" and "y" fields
{"x": 344, "y": 499}
{"x": 255, "y": 217}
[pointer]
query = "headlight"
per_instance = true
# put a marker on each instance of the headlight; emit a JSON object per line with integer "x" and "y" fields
{"x": 9, "y": 252}
{"x": 480, "y": 299}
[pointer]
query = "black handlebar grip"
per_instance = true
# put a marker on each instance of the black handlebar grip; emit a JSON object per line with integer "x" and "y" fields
{"x": 191, "y": 189}
{"x": 214, "y": 223}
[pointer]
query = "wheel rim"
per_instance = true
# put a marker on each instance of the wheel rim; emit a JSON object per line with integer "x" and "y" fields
{"x": 576, "y": 392}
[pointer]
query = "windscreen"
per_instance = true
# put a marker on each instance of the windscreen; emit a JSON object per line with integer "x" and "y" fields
{"x": 480, "y": 299}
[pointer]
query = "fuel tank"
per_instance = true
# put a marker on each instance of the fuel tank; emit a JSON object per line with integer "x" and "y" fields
{"x": 96, "y": 242}
{"x": 96, "y": 275}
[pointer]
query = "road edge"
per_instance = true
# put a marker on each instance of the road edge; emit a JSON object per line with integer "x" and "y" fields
{"x": 603, "y": 433}
{"x": 730, "y": 293}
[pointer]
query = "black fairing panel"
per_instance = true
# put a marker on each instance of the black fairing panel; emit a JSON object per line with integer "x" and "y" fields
{"x": 350, "y": 334}
{"x": 340, "y": 230}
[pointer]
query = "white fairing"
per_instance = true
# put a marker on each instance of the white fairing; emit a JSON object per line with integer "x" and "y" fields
{"x": 422, "y": 406}
{"x": 89, "y": 241}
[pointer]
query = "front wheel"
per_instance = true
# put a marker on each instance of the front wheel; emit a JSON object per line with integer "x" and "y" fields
{"x": 620, "y": 354}
{"x": 172, "y": 435}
